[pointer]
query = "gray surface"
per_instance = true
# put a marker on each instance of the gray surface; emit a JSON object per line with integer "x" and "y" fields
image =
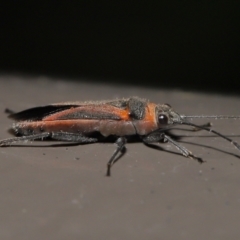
{"x": 47, "y": 194}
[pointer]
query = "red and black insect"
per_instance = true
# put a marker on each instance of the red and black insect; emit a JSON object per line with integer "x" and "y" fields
{"x": 88, "y": 122}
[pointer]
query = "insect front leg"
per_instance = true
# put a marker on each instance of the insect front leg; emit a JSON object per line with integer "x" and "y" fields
{"x": 183, "y": 150}
{"x": 206, "y": 125}
{"x": 121, "y": 141}
{"x": 156, "y": 137}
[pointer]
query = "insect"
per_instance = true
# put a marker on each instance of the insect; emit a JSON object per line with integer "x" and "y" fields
{"x": 89, "y": 122}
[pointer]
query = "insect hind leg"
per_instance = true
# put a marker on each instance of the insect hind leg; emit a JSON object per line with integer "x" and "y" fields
{"x": 9, "y": 141}
{"x": 121, "y": 142}
{"x": 61, "y": 136}
{"x": 72, "y": 137}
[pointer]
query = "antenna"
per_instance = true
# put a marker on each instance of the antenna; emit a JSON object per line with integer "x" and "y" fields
{"x": 212, "y": 116}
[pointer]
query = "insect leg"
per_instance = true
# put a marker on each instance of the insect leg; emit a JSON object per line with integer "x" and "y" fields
{"x": 182, "y": 149}
{"x": 61, "y": 136}
{"x": 121, "y": 141}
{"x": 72, "y": 137}
{"x": 156, "y": 137}
{"x": 206, "y": 125}
{"x": 9, "y": 141}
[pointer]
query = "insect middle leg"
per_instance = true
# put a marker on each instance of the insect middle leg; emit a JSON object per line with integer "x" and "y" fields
{"x": 121, "y": 141}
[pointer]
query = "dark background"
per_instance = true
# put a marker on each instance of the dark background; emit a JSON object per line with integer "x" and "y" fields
{"x": 173, "y": 44}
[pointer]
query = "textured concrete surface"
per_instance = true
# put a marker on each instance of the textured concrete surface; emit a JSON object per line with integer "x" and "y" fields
{"x": 50, "y": 190}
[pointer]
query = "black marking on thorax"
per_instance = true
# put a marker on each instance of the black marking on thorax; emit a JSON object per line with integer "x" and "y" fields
{"x": 137, "y": 108}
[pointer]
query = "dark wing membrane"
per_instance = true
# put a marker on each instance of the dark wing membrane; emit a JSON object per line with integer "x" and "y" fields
{"x": 38, "y": 113}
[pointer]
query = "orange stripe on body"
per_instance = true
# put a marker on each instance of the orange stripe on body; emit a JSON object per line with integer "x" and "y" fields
{"x": 150, "y": 114}
{"x": 149, "y": 123}
{"x": 123, "y": 114}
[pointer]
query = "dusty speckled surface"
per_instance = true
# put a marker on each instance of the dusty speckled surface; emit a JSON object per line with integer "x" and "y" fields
{"x": 61, "y": 192}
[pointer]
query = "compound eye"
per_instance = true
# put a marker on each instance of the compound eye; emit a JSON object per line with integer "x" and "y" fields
{"x": 162, "y": 119}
